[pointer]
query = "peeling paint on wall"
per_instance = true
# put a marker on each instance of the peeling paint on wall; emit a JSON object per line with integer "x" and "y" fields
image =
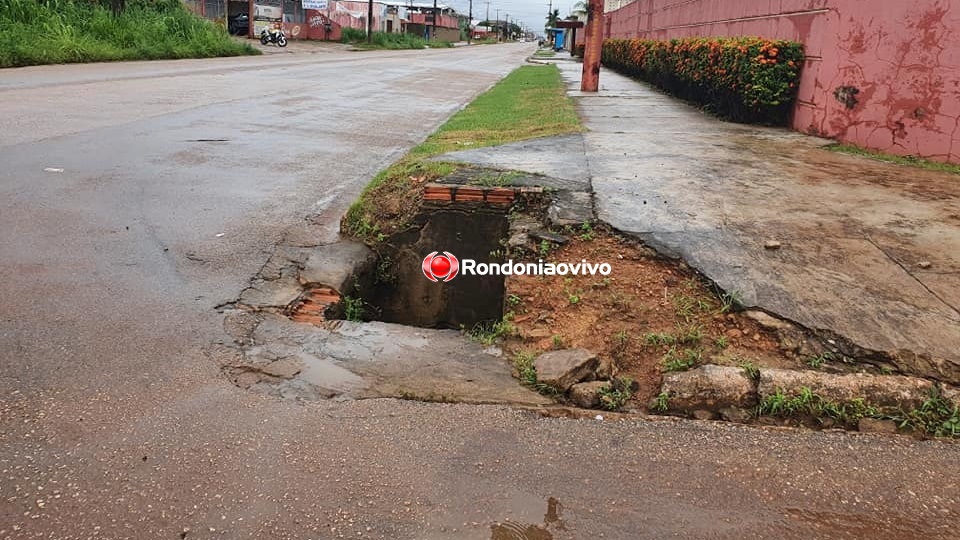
{"x": 902, "y": 58}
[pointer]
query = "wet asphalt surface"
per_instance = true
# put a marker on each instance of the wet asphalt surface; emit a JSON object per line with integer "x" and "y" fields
{"x": 178, "y": 180}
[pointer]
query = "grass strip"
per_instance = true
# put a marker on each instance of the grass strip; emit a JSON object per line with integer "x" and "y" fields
{"x": 910, "y": 161}
{"x": 530, "y": 102}
{"x": 34, "y": 32}
{"x": 389, "y": 40}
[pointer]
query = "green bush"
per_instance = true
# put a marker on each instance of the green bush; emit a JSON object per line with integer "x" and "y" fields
{"x": 352, "y": 35}
{"x": 747, "y": 79}
{"x": 61, "y": 31}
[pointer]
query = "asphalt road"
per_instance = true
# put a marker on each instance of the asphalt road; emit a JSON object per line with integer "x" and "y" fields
{"x": 178, "y": 180}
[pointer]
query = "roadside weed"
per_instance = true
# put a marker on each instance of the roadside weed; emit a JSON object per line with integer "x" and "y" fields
{"x": 816, "y": 362}
{"x": 808, "y": 403}
{"x": 662, "y": 402}
{"x": 353, "y": 308}
{"x": 681, "y": 361}
{"x": 616, "y": 394}
{"x": 730, "y": 302}
{"x": 936, "y": 416}
{"x": 751, "y": 371}
{"x": 523, "y": 363}
{"x": 488, "y": 333}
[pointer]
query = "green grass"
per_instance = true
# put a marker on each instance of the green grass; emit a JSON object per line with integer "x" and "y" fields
{"x": 34, "y": 32}
{"x": 661, "y": 403}
{"x": 488, "y": 333}
{"x": 808, "y": 403}
{"x": 911, "y": 161}
{"x": 530, "y": 102}
{"x": 389, "y": 40}
{"x": 682, "y": 360}
{"x": 353, "y": 308}
{"x": 816, "y": 362}
{"x": 936, "y": 416}
{"x": 751, "y": 371}
{"x": 523, "y": 363}
{"x": 616, "y": 394}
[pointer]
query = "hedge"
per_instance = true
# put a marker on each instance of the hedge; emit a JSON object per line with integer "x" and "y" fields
{"x": 746, "y": 79}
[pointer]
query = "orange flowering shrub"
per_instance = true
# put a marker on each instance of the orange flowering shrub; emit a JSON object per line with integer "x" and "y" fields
{"x": 746, "y": 79}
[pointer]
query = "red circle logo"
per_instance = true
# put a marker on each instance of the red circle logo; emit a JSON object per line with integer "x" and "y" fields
{"x": 440, "y": 267}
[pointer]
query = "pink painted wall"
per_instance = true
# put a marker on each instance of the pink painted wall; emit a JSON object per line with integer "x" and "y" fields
{"x": 903, "y": 56}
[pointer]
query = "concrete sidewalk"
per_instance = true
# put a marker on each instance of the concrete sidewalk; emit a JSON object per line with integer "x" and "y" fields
{"x": 868, "y": 250}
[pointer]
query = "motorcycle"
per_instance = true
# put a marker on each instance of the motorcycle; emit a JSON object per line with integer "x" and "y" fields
{"x": 274, "y": 35}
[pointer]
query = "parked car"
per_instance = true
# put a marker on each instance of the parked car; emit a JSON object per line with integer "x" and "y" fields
{"x": 239, "y": 24}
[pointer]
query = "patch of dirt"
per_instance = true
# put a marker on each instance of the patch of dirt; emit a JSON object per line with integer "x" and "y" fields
{"x": 649, "y": 314}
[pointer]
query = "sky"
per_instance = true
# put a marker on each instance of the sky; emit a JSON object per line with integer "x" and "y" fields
{"x": 532, "y": 13}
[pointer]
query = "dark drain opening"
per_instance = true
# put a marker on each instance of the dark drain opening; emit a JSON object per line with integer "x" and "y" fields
{"x": 477, "y": 224}
{"x": 403, "y": 294}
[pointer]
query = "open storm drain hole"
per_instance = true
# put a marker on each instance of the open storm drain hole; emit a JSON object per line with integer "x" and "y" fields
{"x": 417, "y": 276}
{"x": 403, "y": 291}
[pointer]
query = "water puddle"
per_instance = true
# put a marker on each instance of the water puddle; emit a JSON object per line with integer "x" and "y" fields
{"x": 513, "y": 530}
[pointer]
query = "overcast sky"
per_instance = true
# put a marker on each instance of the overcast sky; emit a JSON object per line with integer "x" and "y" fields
{"x": 532, "y": 13}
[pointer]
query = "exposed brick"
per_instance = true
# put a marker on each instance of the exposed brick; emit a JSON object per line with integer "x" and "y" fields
{"x": 436, "y": 192}
{"x": 314, "y": 304}
{"x": 500, "y": 195}
{"x": 469, "y": 196}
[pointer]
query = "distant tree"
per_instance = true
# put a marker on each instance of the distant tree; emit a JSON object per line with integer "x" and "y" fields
{"x": 552, "y": 18}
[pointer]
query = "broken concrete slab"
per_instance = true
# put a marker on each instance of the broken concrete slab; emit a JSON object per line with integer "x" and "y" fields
{"x": 564, "y": 368}
{"x": 338, "y": 265}
{"x": 347, "y": 360}
{"x": 560, "y": 157}
{"x": 570, "y": 208}
{"x": 285, "y": 368}
{"x": 709, "y": 387}
{"x": 278, "y": 293}
{"x": 852, "y": 230}
{"x": 879, "y": 390}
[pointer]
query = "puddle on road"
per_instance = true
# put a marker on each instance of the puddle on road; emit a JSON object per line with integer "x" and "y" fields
{"x": 516, "y": 531}
{"x": 324, "y": 373}
{"x": 512, "y": 530}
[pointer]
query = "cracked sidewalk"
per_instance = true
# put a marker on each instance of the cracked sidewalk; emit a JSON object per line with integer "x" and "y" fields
{"x": 867, "y": 251}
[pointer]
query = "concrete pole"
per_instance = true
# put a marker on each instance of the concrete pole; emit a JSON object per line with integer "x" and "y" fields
{"x": 590, "y": 81}
{"x": 370, "y": 21}
{"x": 250, "y": 14}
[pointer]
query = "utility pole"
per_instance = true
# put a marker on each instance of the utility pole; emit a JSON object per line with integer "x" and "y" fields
{"x": 498, "y": 25}
{"x": 370, "y": 21}
{"x": 470, "y": 23}
{"x": 433, "y": 29}
{"x": 485, "y": 19}
{"x": 590, "y": 80}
